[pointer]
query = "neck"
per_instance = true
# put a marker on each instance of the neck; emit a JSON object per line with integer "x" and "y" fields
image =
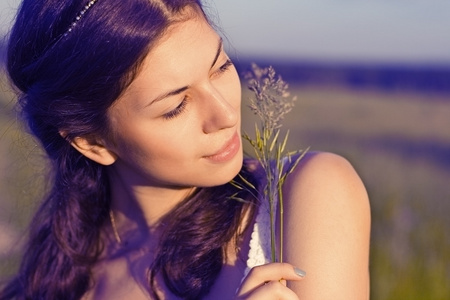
{"x": 138, "y": 210}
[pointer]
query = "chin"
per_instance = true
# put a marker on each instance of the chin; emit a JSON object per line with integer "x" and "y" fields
{"x": 223, "y": 174}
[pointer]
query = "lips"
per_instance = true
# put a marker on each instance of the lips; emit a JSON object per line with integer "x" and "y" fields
{"x": 228, "y": 151}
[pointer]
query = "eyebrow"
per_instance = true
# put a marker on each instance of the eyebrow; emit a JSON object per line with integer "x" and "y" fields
{"x": 182, "y": 89}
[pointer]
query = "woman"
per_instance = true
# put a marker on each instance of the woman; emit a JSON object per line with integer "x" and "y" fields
{"x": 138, "y": 107}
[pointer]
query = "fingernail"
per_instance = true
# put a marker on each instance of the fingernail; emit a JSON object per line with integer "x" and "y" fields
{"x": 299, "y": 272}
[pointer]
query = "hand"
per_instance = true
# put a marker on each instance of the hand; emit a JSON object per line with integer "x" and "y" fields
{"x": 269, "y": 282}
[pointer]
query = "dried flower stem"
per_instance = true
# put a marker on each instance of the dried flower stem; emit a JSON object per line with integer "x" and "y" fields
{"x": 271, "y": 102}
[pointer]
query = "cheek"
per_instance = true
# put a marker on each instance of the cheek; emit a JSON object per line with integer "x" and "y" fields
{"x": 238, "y": 92}
{"x": 157, "y": 145}
{"x": 233, "y": 89}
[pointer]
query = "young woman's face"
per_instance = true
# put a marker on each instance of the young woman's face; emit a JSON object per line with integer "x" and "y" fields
{"x": 178, "y": 124}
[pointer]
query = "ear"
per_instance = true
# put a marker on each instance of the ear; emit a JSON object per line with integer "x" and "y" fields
{"x": 94, "y": 150}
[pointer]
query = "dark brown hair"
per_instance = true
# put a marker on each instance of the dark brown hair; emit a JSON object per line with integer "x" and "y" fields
{"x": 67, "y": 82}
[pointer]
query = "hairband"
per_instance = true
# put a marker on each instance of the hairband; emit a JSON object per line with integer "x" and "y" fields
{"x": 79, "y": 16}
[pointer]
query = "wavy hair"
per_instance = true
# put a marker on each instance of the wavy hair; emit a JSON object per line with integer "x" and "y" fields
{"x": 66, "y": 82}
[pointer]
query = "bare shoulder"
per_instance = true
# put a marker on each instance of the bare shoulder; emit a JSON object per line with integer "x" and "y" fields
{"x": 327, "y": 221}
{"x": 323, "y": 172}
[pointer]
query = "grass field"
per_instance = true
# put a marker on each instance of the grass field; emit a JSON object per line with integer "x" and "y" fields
{"x": 399, "y": 142}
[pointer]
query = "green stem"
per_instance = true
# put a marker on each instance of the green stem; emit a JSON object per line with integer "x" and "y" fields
{"x": 281, "y": 209}
{"x": 271, "y": 185}
{"x": 272, "y": 235}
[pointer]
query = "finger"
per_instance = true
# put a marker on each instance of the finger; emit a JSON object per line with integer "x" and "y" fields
{"x": 273, "y": 290}
{"x": 269, "y": 272}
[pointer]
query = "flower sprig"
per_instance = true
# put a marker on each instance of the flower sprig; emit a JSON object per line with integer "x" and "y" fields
{"x": 271, "y": 102}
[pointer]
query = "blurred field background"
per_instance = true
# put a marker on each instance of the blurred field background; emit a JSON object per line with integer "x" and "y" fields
{"x": 397, "y": 139}
{"x": 399, "y": 142}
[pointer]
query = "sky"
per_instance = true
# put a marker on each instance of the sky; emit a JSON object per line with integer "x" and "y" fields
{"x": 368, "y": 31}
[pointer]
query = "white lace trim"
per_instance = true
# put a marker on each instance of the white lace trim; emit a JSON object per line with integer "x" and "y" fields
{"x": 259, "y": 252}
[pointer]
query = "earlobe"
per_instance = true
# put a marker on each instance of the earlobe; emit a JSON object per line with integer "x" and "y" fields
{"x": 94, "y": 151}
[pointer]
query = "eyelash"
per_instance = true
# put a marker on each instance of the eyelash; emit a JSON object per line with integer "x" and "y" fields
{"x": 223, "y": 68}
{"x": 178, "y": 110}
{"x": 182, "y": 106}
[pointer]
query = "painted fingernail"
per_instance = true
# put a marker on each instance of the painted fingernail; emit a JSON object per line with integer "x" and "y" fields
{"x": 299, "y": 272}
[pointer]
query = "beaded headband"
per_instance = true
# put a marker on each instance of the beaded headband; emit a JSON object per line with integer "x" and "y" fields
{"x": 80, "y": 15}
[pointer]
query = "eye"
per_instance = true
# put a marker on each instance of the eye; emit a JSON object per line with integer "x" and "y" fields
{"x": 223, "y": 68}
{"x": 177, "y": 111}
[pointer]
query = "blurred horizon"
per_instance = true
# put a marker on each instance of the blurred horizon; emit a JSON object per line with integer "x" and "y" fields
{"x": 328, "y": 32}
{"x": 339, "y": 31}
{"x": 388, "y": 45}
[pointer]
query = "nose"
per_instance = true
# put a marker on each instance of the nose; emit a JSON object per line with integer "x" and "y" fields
{"x": 218, "y": 111}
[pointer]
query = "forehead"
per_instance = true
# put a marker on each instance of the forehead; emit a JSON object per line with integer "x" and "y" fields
{"x": 186, "y": 47}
